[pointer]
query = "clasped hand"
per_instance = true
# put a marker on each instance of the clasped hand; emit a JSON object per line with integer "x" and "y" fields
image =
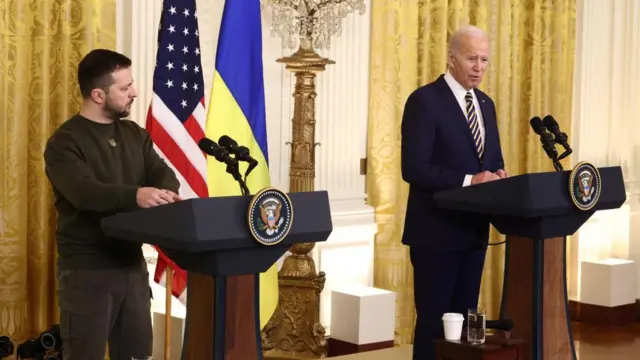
{"x": 487, "y": 176}
{"x": 149, "y": 197}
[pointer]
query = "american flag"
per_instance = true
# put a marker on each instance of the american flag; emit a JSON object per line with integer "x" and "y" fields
{"x": 176, "y": 117}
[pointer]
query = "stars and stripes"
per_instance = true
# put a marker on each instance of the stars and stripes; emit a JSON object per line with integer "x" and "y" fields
{"x": 176, "y": 116}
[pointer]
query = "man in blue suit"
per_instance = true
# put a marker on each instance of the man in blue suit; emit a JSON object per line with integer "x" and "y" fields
{"x": 449, "y": 140}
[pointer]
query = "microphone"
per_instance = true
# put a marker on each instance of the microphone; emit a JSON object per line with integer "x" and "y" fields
{"x": 560, "y": 137}
{"x": 221, "y": 154}
{"x": 547, "y": 141}
{"x": 241, "y": 152}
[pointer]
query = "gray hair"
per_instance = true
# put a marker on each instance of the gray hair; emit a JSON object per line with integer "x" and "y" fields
{"x": 467, "y": 30}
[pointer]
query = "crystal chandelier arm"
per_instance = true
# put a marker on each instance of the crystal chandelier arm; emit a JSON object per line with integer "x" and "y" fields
{"x": 293, "y": 4}
{"x": 311, "y": 23}
{"x": 323, "y": 3}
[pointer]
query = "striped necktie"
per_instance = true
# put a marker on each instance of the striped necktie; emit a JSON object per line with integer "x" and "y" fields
{"x": 472, "y": 118}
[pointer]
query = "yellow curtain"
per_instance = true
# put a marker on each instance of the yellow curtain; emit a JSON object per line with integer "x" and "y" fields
{"x": 530, "y": 73}
{"x": 41, "y": 43}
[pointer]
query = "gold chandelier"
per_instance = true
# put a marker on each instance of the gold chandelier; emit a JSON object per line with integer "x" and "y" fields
{"x": 318, "y": 20}
{"x": 294, "y": 330}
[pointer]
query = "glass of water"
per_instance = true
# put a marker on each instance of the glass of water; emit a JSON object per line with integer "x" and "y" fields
{"x": 476, "y": 326}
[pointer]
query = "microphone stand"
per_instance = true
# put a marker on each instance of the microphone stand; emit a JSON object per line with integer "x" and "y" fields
{"x": 557, "y": 165}
{"x": 249, "y": 170}
{"x": 548, "y": 144}
{"x": 232, "y": 168}
{"x": 559, "y": 137}
{"x": 567, "y": 150}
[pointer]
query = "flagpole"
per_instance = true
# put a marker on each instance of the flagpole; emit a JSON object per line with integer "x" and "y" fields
{"x": 167, "y": 313}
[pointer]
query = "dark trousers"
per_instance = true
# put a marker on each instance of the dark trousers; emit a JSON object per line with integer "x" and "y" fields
{"x": 443, "y": 282}
{"x": 100, "y": 306}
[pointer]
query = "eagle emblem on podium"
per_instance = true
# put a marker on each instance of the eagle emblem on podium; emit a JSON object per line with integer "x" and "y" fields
{"x": 585, "y": 181}
{"x": 270, "y": 216}
{"x": 585, "y": 186}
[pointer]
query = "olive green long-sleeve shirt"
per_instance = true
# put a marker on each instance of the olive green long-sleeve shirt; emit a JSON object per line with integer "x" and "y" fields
{"x": 95, "y": 171}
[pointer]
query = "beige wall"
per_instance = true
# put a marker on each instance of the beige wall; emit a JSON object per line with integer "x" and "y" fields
{"x": 606, "y": 128}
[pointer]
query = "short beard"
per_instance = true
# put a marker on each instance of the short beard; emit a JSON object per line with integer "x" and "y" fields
{"x": 113, "y": 113}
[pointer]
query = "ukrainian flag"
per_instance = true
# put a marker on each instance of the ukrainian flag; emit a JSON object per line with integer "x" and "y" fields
{"x": 237, "y": 109}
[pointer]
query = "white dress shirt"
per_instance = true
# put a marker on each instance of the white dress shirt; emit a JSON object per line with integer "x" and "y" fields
{"x": 460, "y": 92}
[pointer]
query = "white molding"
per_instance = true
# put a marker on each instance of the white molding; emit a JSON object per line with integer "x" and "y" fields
{"x": 341, "y": 109}
{"x": 346, "y": 257}
{"x": 605, "y": 127}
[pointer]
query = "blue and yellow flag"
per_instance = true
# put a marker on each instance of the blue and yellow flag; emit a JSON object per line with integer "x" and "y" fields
{"x": 237, "y": 109}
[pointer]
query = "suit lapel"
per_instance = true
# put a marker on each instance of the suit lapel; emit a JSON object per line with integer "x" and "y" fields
{"x": 487, "y": 119}
{"x": 459, "y": 118}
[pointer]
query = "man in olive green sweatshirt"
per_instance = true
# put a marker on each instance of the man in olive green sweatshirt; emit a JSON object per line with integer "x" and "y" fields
{"x": 100, "y": 164}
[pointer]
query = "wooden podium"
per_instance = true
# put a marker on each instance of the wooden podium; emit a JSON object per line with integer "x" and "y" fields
{"x": 211, "y": 239}
{"x": 536, "y": 213}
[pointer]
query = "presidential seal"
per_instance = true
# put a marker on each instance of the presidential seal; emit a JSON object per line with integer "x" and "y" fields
{"x": 585, "y": 186}
{"x": 270, "y": 216}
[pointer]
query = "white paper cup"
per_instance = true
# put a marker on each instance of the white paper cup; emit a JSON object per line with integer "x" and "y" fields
{"x": 452, "y": 326}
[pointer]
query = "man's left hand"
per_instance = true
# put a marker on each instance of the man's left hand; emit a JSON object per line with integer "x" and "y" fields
{"x": 502, "y": 174}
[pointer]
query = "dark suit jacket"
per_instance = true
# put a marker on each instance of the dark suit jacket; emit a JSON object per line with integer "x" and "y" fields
{"x": 437, "y": 153}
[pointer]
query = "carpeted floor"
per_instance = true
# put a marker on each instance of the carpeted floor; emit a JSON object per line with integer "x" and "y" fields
{"x": 591, "y": 342}
{"x": 397, "y": 353}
